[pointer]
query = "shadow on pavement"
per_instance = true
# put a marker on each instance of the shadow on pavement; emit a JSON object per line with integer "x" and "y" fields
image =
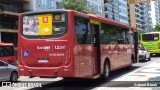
{"x": 84, "y": 84}
{"x": 143, "y": 61}
{"x": 155, "y": 55}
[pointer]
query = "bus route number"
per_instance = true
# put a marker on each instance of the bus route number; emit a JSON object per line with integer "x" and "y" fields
{"x": 60, "y": 47}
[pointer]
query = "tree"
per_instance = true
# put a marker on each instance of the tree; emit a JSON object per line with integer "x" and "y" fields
{"x": 78, "y": 5}
{"x": 156, "y": 28}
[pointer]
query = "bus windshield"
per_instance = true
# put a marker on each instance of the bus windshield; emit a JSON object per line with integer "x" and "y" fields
{"x": 150, "y": 37}
{"x": 6, "y": 51}
{"x": 44, "y": 25}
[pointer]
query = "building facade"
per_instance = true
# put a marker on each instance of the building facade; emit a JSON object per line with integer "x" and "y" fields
{"x": 96, "y": 5}
{"x": 9, "y": 10}
{"x": 140, "y": 16}
{"x": 36, "y": 5}
{"x": 116, "y": 10}
{"x": 157, "y": 11}
{"x": 155, "y": 8}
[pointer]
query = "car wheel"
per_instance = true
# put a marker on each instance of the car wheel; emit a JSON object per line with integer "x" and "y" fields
{"x": 106, "y": 70}
{"x": 14, "y": 77}
{"x": 144, "y": 58}
{"x": 149, "y": 59}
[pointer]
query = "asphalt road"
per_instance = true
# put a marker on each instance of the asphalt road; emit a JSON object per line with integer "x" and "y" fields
{"x": 79, "y": 84}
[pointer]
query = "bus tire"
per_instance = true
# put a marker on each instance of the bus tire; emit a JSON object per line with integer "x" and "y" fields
{"x": 106, "y": 73}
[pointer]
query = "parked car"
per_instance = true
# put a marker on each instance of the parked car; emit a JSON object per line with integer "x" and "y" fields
{"x": 143, "y": 54}
{"x": 8, "y": 72}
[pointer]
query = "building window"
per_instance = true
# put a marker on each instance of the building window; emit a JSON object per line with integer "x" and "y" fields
{"x": 11, "y": 7}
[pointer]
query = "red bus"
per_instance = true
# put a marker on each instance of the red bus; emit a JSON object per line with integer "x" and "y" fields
{"x": 7, "y": 53}
{"x": 67, "y": 43}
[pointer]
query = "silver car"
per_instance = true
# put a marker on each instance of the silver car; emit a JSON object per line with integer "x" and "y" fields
{"x": 143, "y": 54}
{"x": 8, "y": 72}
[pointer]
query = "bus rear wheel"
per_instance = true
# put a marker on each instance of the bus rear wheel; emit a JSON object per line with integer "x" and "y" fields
{"x": 106, "y": 70}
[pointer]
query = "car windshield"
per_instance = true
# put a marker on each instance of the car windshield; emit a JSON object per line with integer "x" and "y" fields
{"x": 142, "y": 48}
{"x": 2, "y": 63}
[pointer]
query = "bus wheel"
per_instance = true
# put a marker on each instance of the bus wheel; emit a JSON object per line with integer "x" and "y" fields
{"x": 106, "y": 70}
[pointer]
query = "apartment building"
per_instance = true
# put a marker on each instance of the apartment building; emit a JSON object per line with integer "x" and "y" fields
{"x": 9, "y": 10}
{"x": 37, "y": 5}
{"x": 155, "y": 9}
{"x": 140, "y": 16}
{"x": 116, "y": 10}
{"x": 96, "y": 5}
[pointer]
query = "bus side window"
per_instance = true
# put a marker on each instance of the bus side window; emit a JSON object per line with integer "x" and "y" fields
{"x": 112, "y": 34}
{"x": 82, "y": 30}
{"x": 120, "y": 41}
{"x": 121, "y": 37}
{"x": 6, "y": 51}
{"x": 104, "y": 34}
{"x": 1, "y": 51}
{"x": 129, "y": 37}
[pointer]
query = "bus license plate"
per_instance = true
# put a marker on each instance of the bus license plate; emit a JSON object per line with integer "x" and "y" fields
{"x": 43, "y": 60}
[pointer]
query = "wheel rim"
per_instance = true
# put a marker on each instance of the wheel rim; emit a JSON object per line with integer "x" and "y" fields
{"x": 107, "y": 70}
{"x": 14, "y": 77}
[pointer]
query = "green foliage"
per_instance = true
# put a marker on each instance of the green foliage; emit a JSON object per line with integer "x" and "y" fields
{"x": 156, "y": 28}
{"x": 78, "y": 5}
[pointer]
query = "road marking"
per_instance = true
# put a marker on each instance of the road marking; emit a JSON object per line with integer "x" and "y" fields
{"x": 133, "y": 71}
{"x": 20, "y": 88}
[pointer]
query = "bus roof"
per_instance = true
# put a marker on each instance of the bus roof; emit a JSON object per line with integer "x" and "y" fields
{"x": 93, "y": 16}
{"x": 109, "y": 21}
{"x": 151, "y": 32}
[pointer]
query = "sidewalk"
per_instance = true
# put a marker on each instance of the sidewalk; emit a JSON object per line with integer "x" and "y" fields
{"x": 137, "y": 80}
